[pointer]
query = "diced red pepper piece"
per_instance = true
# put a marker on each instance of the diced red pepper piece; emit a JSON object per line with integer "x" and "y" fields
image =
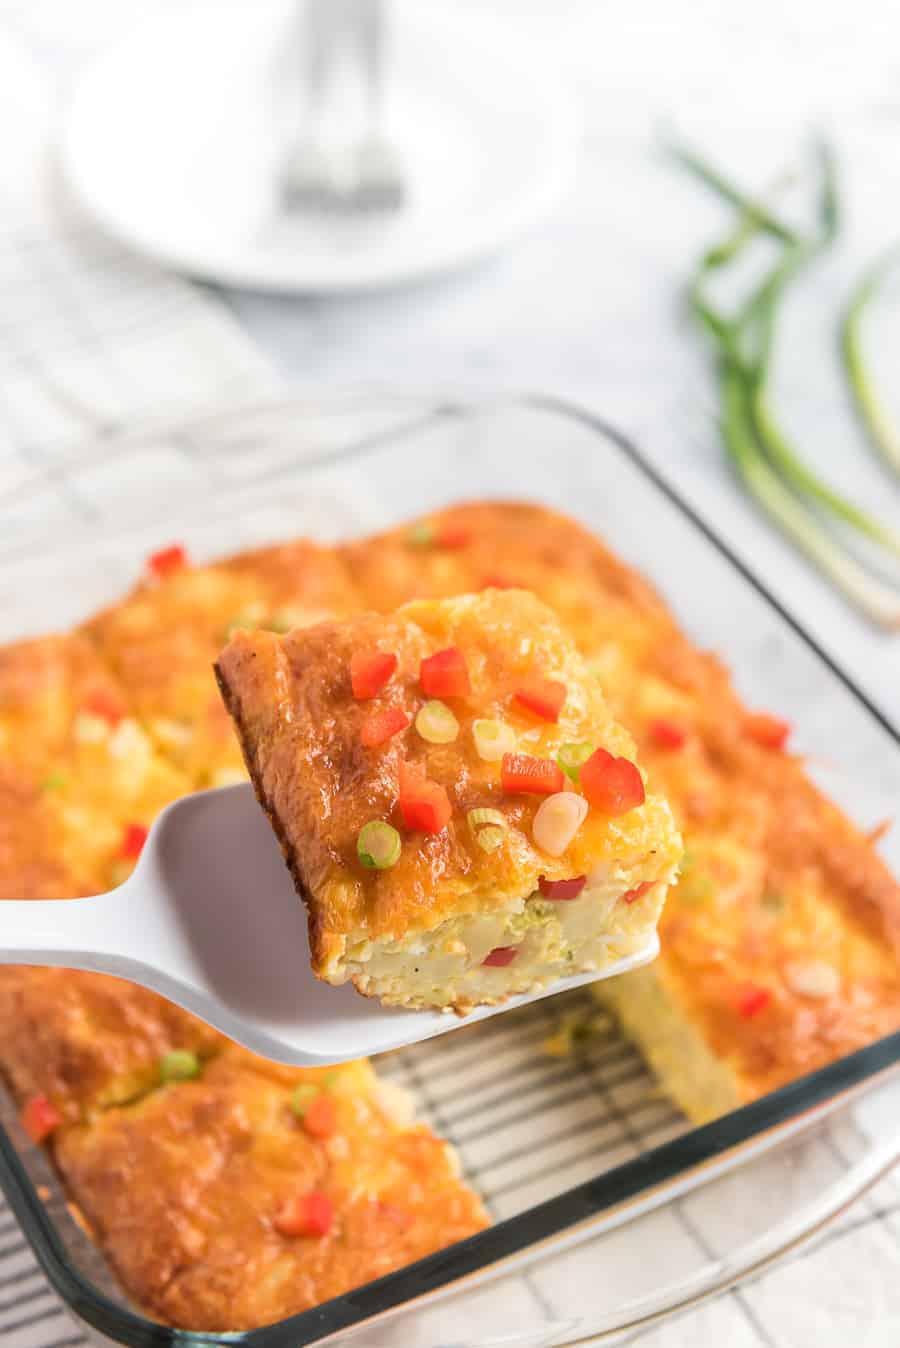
{"x": 497, "y": 582}
{"x": 611, "y": 784}
{"x": 167, "y": 560}
{"x": 632, "y": 895}
{"x": 750, "y": 999}
{"x": 105, "y": 704}
{"x": 544, "y": 697}
{"x": 133, "y": 839}
{"x": 305, "y": 1215}
{"x": 769, "y": 731}
{"x": 500, "y": 956}
{"x": 444, "y": 674}
{"x": 40, "y": 1118}
{"x": 424, "y": 805}
{"x": 452, "y": 536}
{"x": 320, "y": 1116}
{"x": 562, "y": 889}
{"x": 370, "y": 671}
{"x": 667, "y": 734}
{"x": 382, "y": 726}
{"x": 520, "y": 774}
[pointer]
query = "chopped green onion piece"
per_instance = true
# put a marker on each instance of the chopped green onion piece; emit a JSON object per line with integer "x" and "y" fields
{"x": 493, "y": 739}
{"x": 55, "y": 781}
{"x": 378, "y": 845}
{"x": 572, "y": 755}
{"x": 420, "y": 535}
{"x": 490, "y": 838}
{"x": 251, "y": 616}
{"x": 339, "y": 1082}
{"x": 489, "y": 827}
{"x": 436, "y": 723}
{"x": 284, "y": 620}
{"x": 303, "y": 1097}
{"x": 485, "y": 814}
{"x": 576, "y": 1029}
{"x": 180, "y": 1065}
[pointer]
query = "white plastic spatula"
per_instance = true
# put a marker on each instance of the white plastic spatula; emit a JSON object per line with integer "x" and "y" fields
{"x": 210, "y": 919}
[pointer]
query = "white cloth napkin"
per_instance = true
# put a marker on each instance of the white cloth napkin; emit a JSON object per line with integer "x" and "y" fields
{"x": 91, "y": 338}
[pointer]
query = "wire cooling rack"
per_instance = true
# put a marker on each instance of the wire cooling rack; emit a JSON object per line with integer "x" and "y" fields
{"x": 525, "y": 1124}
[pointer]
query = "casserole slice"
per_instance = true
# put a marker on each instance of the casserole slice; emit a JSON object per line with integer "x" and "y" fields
{"x": 779, "y": 943}
{"x": 458, "y": 808}
{"x": 251, "y": 1193}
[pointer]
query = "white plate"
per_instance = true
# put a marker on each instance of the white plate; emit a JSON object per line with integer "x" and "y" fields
{"x": 173, "y": 141}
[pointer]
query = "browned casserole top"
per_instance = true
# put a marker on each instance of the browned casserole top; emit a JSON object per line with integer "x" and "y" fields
{"x": 80, "y": 780}
{"x": 162, "y": 639}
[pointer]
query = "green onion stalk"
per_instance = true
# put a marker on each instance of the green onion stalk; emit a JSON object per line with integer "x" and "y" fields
{"x": 874, "y": 598}
{"x": 762, "y": 310}
{"x": 756, "y": 215}
{"x": 883, "y": 432}
{"x": 771, "y": 471}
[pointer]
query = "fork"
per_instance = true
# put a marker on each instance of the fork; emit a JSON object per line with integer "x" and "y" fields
{"x": 318, "y": 175}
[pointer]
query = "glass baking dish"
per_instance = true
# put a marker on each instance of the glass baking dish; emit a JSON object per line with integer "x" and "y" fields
{"x": 583, "y": 1163}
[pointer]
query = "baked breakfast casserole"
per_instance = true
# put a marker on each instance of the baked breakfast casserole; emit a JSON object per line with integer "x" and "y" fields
{"x": 228, "y": 1192}
{"x": 457, "y": 806}
{"x": 780, "y": 941}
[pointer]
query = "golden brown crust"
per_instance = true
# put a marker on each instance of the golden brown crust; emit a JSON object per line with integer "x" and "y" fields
{"x": 162, "y": 640}
{"x": 301, "y": 729}
{"x": 86, "y": 1041}
{"x": 43, "y": 682}
{"x": 480, "y": 544}
{"x": 184, "y": 1188}
{"x": 76, "y": 771}
{"x": 32, "y": 865}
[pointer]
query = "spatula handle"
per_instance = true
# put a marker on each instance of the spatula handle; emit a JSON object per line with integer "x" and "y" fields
{"x": 74, "y": 933}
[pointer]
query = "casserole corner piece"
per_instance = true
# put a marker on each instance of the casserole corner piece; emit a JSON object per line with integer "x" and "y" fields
{"x": 458, "y": 808}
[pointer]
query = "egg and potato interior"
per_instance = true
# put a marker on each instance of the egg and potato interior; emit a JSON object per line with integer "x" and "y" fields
{"x": 458, "y": 807}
